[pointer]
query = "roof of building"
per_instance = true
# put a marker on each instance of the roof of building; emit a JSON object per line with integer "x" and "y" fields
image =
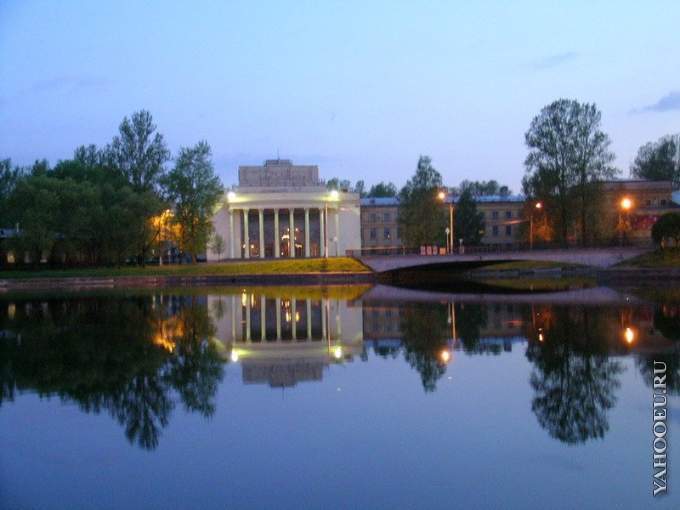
{"x": 384, "y": 201}
{"x": 500, "y": 198}
{"x": 635, "y": 184}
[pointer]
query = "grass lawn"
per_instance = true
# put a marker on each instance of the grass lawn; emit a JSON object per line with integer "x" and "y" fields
{"x": 527, "y": 265}
{"x": 281, "y": 266}
{"x": 668, "y": 258}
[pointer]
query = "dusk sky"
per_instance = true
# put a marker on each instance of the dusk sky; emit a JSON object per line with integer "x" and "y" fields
{"x": 359, "y": 88}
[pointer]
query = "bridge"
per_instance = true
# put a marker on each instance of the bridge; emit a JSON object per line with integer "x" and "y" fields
{"x": 594, "y": 257}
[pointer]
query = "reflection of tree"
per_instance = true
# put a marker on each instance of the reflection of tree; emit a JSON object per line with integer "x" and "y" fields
{"x": 470, "y": 318}
{"x": 672, "y": 359}
{"x": 424, "y": 331}
{"x": 667, "y": 321}
{"x": 573, "y": 378}
{"x": 114, "y": 355}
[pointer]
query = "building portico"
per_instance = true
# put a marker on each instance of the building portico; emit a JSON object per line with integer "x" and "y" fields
{"x": 282, "y": 210}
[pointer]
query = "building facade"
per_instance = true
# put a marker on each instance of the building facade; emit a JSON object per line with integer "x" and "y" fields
{"x": 634, "y": 205}
{"x": 284, "y": 210}
{"x": 380, "y": 231}
{"x": 502, "y": 217}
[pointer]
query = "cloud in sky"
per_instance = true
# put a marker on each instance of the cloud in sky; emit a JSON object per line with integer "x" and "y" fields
{"x": 550, "y": 61}
{"x": 667, "y": 103}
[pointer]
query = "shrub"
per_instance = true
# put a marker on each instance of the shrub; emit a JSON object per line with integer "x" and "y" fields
{"x": 667, "y": 228}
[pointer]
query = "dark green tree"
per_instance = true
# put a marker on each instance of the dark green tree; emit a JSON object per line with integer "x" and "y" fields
{"x": 421, "y": 216}
{"x": 138, "y": 152}
{"x": 568, "y": 155}
{"x": 667, "y": 228}
{"x": 469, "y": 221}
{"x": 382, "y": 190}
{"x": 194, "y": 190}
{"x": 659, "y": 161}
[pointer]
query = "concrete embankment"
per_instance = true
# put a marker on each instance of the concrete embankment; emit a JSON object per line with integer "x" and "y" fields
{"x": 75, "y": 283}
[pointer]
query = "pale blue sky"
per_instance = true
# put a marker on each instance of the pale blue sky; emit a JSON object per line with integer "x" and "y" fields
{"x": 360, "y": 88}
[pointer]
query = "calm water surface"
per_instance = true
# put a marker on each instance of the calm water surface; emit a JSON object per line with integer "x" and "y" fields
{"x": 344, "y": 397}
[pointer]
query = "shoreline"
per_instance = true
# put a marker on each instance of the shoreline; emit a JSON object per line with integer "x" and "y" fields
{"x": 110, "y": 282}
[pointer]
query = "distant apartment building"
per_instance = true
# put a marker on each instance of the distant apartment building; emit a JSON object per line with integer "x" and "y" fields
{"x": 380, "y": 225}
{"x": 644, "y": 201}
{"x": 502, "y": 218}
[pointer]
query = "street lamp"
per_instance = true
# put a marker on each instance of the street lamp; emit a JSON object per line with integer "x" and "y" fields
{"x": 334, "y": 196}
{"x": 624, "y": 208}
{"x": 449, "y": 231}
{"x": 537, "y": 207}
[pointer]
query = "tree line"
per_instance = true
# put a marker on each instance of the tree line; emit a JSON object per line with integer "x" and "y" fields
{"x": 569, "y": 158}
{"x": 111, "y": 205}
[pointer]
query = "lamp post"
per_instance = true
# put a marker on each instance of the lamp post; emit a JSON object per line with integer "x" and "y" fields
{"x": 537, "y": 207}
{"x": 333, "y": 195}
{"x": 625, "y": 206}
{"x": 450, "y": 234}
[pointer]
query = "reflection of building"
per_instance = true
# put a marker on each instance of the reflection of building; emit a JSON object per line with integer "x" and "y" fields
{"x": 285, "y": 340}
{"x": 284, "y": 210}
{"x": 502, "y": 324}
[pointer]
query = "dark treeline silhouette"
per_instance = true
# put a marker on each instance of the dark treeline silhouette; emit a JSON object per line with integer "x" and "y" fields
{"x": 109, "y": 205}
{"x": 132, "y": 357}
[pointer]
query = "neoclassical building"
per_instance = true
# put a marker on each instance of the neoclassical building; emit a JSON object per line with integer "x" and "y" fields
{"x": 284, "y": 210}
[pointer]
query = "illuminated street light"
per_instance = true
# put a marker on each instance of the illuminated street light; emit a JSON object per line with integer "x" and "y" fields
{"x": 625, "y": 206}
{"x": 445, "y": 356}
{"x": 231, "y": 196}
{"x": 450, "y": 234}
{"x": 334, "y": 194}
{"x": 537, "y": 206}
{"x": 337, "y": 352}
{"x": 234, "y": 356}
{"x": 629, "y": 335}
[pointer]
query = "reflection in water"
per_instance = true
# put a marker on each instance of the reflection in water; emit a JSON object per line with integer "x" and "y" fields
{"x": 574, "y": 379}
{"x": 137, "y": 357}
{"x": 125, "y": 356}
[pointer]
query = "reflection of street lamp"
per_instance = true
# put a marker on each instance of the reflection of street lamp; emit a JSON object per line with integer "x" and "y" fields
{"x": 445, "y": 356}
{"x": 537, "y": 207}
{"x": 629, "y": 335}
{"x": 625, "y": 206}
{"x": 450, "y": 231}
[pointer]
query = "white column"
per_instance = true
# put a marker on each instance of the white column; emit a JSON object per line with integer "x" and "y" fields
{"x": 309, "y": 319}
{"x": 277, "y": 238}
{"x": 337, "y": 231}
{"x": 293, "y": 310}
{"x": 260, "y": 213}
{"x": 307, "y": 252}
{"x": 246, "y": 237}
{"x": 324, "y": 332}
{"x": 322, "y": 232}
{"x": 263, "y": 320}
{"x": 234, "y": 303}
{"x": 278, "y": 319}
{"x": 248, "y": 318}
{"x": 291, "y": 236}
{"x": 231, "y": 233}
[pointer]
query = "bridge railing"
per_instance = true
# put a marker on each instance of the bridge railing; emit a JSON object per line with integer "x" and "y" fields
{"x": 435, "y": 250}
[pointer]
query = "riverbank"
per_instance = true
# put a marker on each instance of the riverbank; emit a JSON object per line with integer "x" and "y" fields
{"x": 341, "y": 270}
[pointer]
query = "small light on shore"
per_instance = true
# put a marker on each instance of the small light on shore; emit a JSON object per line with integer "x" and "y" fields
{"x": 629, "y": 335}
{"x": 445, "y": 355}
